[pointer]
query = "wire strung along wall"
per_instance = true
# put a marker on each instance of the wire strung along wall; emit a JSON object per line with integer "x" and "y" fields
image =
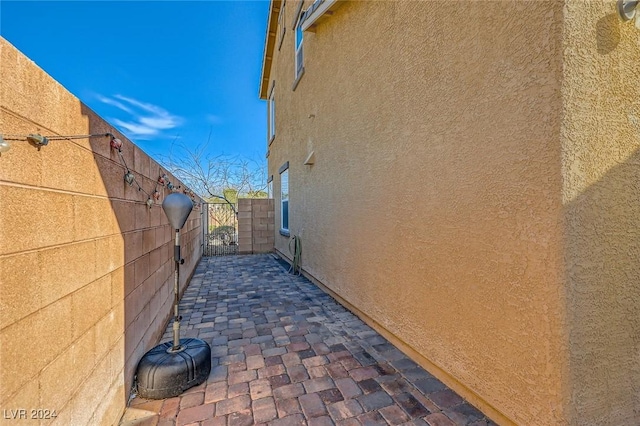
{"x": 153, "y": 196}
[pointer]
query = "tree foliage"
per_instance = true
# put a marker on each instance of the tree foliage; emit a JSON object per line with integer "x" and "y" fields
{"x": 217, "y": 178}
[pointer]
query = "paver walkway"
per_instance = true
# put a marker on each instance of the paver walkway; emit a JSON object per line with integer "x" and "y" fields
{"x": 286, "y": 353}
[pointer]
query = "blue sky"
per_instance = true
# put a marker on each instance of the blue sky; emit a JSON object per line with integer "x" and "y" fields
{"x": 157, "y": 70}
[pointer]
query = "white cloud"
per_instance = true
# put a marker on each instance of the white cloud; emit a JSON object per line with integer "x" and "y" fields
{"x": 139, "y": 130}
{"x": 142, "y": 105}
{"x": 147, "y": 119}
{"x": 159, "y": 122}
{"x": 115, "y": 103}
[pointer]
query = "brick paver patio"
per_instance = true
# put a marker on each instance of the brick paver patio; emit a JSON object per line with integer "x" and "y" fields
{"x": 286, "y": 353}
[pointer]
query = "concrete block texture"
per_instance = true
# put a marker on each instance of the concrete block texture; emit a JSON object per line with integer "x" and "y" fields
{"x": 244, "y": 204}
{"x": 20, "y": 287}
{"x": 44, "y": 229}
{"x": 255, "y": 225}
{"x": 87, "y": 267}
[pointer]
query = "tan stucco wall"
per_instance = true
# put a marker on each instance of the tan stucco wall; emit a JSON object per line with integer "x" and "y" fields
{"x": 86, "y": 268}
{"x": 477, "y": 161}
{"x": 434, "y": 205}
{"x": 601, "y": 169}
{"x": 256, "y": 225}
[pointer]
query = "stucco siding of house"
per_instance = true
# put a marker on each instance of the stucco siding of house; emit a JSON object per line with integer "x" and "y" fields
{"x": 435, "y": 206}
{"x": 601, "y": 194}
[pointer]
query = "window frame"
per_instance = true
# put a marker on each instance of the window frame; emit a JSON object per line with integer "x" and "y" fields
{"x": 284, "y": 197}
{"x": 271, "y": 115}
{"x": 281, "y": 24}
{"x": 317, "y": 10}
{"x": 298, "y": 51}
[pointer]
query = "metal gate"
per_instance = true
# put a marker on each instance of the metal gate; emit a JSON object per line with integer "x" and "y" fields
{"x": 221, "y": 229}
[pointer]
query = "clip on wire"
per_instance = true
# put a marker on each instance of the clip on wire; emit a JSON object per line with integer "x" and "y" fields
{"x": 37, "y": 140}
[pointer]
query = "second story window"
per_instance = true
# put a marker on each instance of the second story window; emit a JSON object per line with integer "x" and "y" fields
{"x": 299, "y": 49}
{"x": 281, "y": 25}
{"x": 271, "y": 115}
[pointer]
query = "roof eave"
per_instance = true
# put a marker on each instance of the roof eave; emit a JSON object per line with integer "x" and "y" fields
{"x": 269, "y": 47}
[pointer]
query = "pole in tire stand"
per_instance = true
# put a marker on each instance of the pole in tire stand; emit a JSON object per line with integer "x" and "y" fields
{"x": 173, "y": 367}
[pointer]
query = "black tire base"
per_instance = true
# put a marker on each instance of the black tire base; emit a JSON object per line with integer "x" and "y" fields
{"x": 162, "y": 374}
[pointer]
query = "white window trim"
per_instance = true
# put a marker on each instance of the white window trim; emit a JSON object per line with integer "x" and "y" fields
{"x": 282, "y": 30}
{"x": 271, "y": 115}
{"x": 298, "y": 50}
{"x": 297, "y": 72}
{"x": 285, "y": 231}
{"x": 322, "y": 8}
{"x": 270, "y": 187}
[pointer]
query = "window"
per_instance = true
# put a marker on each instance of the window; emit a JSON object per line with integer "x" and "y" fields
{"x": 284, "y": 199}
{"x": 281, "y": 25}
{"x": 299, "y": 49}
{"x": 271, "y": 115}
{"x": 319, "y": 11}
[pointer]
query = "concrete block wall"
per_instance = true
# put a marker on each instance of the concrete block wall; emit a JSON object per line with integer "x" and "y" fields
{"x": 256, "y": 225}
{"x": 86, "y": 268}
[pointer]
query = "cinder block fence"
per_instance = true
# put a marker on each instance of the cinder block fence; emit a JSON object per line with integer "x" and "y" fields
{"x": 86, "y": 266}
{"x": 256, "y": 225}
